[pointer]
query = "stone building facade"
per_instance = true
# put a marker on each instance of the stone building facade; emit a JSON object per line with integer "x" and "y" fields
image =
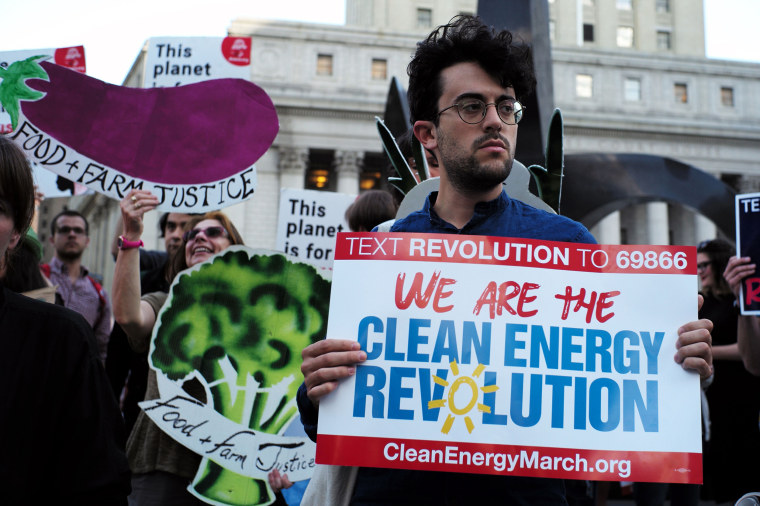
{"x": 630, "y": 77}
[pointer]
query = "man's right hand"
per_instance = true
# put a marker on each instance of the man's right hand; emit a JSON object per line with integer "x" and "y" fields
{"x": 327, "y": 362}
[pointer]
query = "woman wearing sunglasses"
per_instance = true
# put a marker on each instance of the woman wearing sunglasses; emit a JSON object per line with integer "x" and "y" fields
{"x": 161, "y": 467}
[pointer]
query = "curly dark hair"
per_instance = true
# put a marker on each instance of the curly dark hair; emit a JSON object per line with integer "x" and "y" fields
{"x": 465, "y": 39}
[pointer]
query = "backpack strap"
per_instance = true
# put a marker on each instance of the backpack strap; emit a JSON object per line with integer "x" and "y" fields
{"x": 99, "y": 289}
{"x": 45, "y": 268}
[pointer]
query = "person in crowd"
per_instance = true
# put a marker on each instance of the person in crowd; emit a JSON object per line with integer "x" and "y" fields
{"x": 69, "y": 234}
{"x": 128, "y": 370}
{"x": 748, "y": 333}
{"x": 369, "y": 210}
{"x": 730, "y": 462}
{"x": 162, "y": 467}
{"x": 465, "y": 83}
{"x": 63, "y": 435}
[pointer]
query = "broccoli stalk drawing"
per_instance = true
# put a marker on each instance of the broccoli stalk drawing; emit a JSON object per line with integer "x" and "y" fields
{"x": 241, "y": 321}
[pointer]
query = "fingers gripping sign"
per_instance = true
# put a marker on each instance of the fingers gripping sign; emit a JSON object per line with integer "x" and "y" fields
{"x": 694, "y": 346}
{"x": 737, "y": 269}
{"x": 327, "y": 362}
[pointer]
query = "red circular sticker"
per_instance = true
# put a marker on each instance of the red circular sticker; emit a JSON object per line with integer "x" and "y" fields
{"x": 237, "y": 50}
{"x": 71, "y": 57}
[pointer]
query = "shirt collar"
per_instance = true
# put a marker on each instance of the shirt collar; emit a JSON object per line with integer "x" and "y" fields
{"x": 57, "y": 265}
{"x": 483, "y": 210}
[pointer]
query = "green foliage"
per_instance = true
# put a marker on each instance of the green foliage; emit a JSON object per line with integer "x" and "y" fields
{"x": 260, "y": 311}
{"x": 13, "y": 86}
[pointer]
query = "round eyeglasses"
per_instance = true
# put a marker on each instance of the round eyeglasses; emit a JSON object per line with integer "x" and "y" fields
{"x": 473, "y": 110}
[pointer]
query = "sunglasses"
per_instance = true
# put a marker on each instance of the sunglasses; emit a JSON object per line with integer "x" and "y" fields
{"x": 209, "y": 232}
{"x": 703, "y": 265}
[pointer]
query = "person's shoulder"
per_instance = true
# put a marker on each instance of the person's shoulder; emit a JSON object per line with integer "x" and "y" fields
{"x": 28, "y": 307}
{"x": 36, "y": 319}
{"x": 555, "y": 227}
{"x": 156, "y": 300}
{"x": 411, "y": 222}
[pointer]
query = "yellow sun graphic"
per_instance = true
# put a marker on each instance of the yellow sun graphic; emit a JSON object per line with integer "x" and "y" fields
{"x": 453, "y": 408}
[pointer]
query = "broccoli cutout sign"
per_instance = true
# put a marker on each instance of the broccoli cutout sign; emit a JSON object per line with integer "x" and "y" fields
{"x": 237, "y": 324}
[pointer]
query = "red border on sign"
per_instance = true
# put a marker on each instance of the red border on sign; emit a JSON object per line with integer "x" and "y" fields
{"x": 664, "y": 467}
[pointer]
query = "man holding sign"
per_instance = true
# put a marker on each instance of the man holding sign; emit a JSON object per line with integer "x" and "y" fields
{"x": 456, "y": 75}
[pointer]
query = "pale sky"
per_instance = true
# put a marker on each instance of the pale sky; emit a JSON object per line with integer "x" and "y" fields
{"x": 114, "y": 32}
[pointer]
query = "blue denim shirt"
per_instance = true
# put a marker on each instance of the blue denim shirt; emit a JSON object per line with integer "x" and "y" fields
{"x": 501, "y": 217}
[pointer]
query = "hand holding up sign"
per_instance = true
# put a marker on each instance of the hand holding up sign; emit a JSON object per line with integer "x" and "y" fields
{"x": 748, "y": 332}
{"x": 694, "y": 346}
{"x": 737, "y": 269}
{"x": 326, "y": 362}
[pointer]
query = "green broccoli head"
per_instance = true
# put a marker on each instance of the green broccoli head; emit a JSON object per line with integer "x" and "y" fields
{"x": 259, "y": 310}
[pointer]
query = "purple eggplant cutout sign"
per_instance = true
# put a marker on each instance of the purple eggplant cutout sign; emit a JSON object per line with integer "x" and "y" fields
{"x": 192, "y": 146}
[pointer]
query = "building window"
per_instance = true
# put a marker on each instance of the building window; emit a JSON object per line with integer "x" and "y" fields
{"x": 625, "y": 5}
{"x": 552, "y": 30}
{"x": 371, "y": 175}
{"x": 663, "y": 5}
{"x": 588, "y": 32}
{"x": 663, "y": 40}
{"x": 727, "y": 96}
{"x": 379, "y": 68}
{"x": 632, "y": 89}
{"x": 584, "y": 86}
{"x": 424, "y": 18}
{"x": 681, "y": 91}
{"x": 324, "y": 65}
{"x": 320, "y": 173}
{"x": 625, "y": 36}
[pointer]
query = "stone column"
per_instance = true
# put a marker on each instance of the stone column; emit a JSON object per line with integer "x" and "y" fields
{"x": 704, "y": 229}
{"x": 347, "y": 165}
{"x": 259, "y": 220}
{"x": 682, "y": 224}
{"x": 657, "y": 223}
{"x": 607, "y": 231}
{"x": 292, "y": 165}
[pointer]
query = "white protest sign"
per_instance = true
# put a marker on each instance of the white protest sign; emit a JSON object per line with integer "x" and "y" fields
{"x": 175, "y": 61}
{"x": 514, "y": 356}
{"x": 308, "y": 223}
{"x": 233, "y": 446}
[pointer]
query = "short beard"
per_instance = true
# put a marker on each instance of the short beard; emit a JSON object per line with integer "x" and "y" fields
{"x": 69, "y": 255}
{"x": 467, "y": 175}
